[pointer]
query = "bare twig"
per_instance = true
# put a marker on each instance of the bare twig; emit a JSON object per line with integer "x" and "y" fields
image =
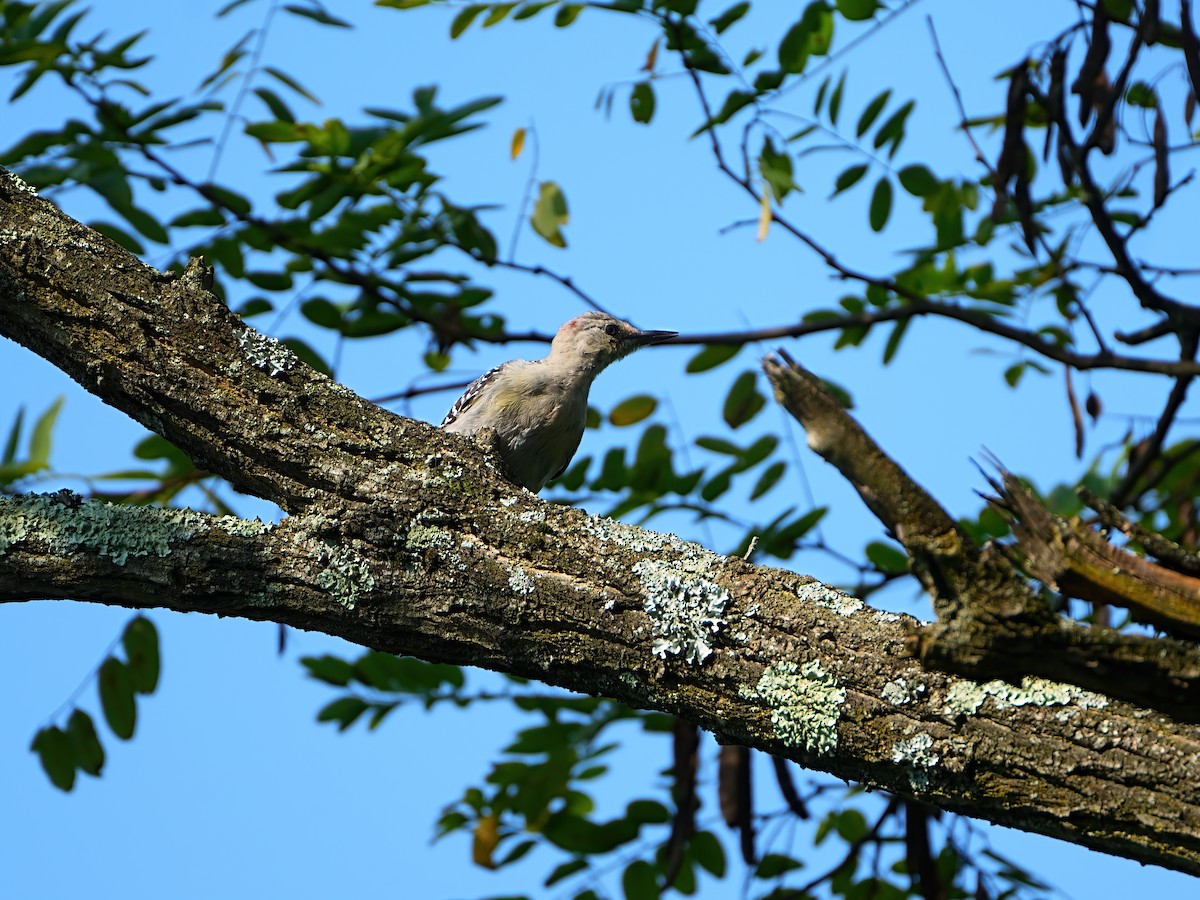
{"x": 958, "y": 100}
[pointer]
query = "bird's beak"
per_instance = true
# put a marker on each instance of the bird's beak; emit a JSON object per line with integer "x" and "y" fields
{"x": 645, "y": 338}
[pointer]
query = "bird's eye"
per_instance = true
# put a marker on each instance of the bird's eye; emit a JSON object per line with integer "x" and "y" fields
{"x": 612, "y": 329}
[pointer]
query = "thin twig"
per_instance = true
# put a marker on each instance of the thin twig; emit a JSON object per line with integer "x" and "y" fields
{"x": 958, "y": 100}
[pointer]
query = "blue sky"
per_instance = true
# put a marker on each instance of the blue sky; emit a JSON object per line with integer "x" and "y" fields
{"x": 230, "y": 788}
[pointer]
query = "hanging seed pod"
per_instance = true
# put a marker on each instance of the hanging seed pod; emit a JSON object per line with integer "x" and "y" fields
{"x": 1162, "y": 172}
{"x": 1149, "y": 22}
{"x": 1025, "y": 203}
{"x": 1093, "y": 64}
{"x": 1012, "y": 150}
{"x": 1054, "y": 98}
{"x": 1191, "y": 44}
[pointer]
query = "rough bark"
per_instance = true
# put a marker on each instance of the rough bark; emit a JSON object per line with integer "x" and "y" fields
{"x": 990, "y": 623}
{"x": 404, "y": 539}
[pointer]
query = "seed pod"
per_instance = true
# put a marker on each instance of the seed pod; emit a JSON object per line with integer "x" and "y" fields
{"x": 1025, "y": 204}
{"x": 1012, "y": 151}
{"x": 1162, "y": 172}
{"x": 1054, "y": 98}
{"x": 1093, "y": 64}
{"x": 1191, "y": 44}
{"x": 1149, "y": 22}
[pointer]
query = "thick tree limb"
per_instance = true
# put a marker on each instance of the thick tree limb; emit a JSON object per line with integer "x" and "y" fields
{"x": 403, "y": 539}
{"x": 1077, "y": 561}
{"x": 959, "y": 576}
{"x": 990, "y": 624}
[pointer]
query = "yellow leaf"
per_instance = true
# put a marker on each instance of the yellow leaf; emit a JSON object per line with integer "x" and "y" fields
{"x": 518, "y": 143}
{"x": 764, "y": 216}
{"x": 487, "y": 836}
{"x": 651, "y": 58}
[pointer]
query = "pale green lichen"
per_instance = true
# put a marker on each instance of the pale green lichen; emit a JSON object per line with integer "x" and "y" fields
{"x": 965, "y": 696}
{"x": 264, "y": 352}
{"x": 422, "y": 537}
{"x": 67, "y": 523}
{"x": 830, "y": 598}
{"x": 18, "y": 182}
{"x": 519, "y": 582}
{"x": 638, "y": 540}
{"x": 685, "y": 609}
{"x": 901, "y": 691}
{"x": 805, "y": 703}
{"x": 916, "y": 753}
{"x": 346, "y": 576}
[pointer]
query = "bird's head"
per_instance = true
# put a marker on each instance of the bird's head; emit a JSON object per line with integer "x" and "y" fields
{"x": 596, "y": 339}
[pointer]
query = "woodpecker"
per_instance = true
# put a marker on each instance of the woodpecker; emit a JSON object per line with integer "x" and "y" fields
{"x": 536, "y": 410}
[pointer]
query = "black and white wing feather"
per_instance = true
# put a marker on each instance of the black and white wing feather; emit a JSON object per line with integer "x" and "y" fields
{"x": 473, "y": 392}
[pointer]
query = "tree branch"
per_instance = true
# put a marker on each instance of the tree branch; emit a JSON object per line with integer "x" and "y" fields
{"x": 404, "y": 539}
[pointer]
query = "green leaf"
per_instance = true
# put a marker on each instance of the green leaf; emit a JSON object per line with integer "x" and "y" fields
{"x": 317, "y": 14}
{"x": 744, "y": 401}
{"x": 85, "y": 743}
{"x": 289, "y": 81}
{"x": 887, "y": 558}
{"x": 735, "y": 101}
{"x": 228, "y": 199}
{"x": 307, "y": 354}
{"x": 567, "y": 13}
{"x": 54, "y": 751}
{"x": 14, "y": 438}
{"x": 849, "y": 178}
{"x": 344, "y": 710}
{"x": 881, "y": 204}
{"x": 42, "y": 435}
{"x": 550, "y": 214}
{"x": 1141, "y": 94}
{"x": 116, "y": 698}
{"x": 119, "y": 235}
{"x": 463, "y": 20}
{"x": 275, "y": 132}
{"x": 141, "y": 653}
{"x": 858, "y": 10}
{"x": 254, "y": 306}
{"x": 565, "y": 870}
{"x": 851, "y": 825}
{"x": 893, "y": 341}
{"x": 275, "y": 104}
{"x": 640, "y": 881}
{"x": 812, "y": 35}
{"x": 776, "y": 169}
{"x": 641, "y": 102}
{"x": 329, "y": 669}
{"x": 708, "y": 853}
{"x": 727, "y": 18}
{"x": 768, "y": 479}
{"x": 322, "y": 312}
{"x": 918, "y": 180}
{"x": 711, "y": 356}
{"x": 775, "y": 864}
{"x": 871, "y": 113}
{"x": 893, "y": 129}
{"x": 633, "y": 410}
{"x": 835, "y": 99}
{"x": 208, "y": 217}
